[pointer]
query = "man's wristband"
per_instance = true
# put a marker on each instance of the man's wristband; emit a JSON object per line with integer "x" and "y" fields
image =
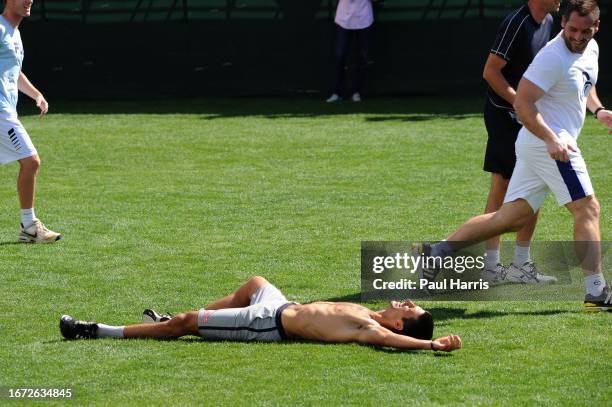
{"x": 431, "y": 344}
{"x": 599, "y": 109}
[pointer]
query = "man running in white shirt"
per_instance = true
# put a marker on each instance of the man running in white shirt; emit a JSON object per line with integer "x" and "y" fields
{"x": 15, "y": 143}
{"x": 551, "y": 102}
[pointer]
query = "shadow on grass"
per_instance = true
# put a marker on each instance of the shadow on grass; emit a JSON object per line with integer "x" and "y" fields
{"x": 444, "y": 314}
{"x": 285, "y": 343}
{"x": 408, "y": 109}
{"x": 10, "y": 243}
{"x": 421, "y": 117}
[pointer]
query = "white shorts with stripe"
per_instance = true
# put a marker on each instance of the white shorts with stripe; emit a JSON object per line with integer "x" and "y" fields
{"x": 15, "y": 143}
{"x": 260, "y": 321}
{"x": 535, "y": 174}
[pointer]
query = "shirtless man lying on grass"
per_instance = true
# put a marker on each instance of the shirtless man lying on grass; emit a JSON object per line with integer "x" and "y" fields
{"x": 258, "y": 311}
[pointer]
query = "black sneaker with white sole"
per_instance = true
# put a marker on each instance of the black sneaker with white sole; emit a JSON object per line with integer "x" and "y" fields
{"x": 73, "y": 329}
{"x": 602, "y": 302}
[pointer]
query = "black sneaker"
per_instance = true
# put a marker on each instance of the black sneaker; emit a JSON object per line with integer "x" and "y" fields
{"x": 150, "y": 316}
{"x": 72, "y": 329}
{"x": 603, "y": 302}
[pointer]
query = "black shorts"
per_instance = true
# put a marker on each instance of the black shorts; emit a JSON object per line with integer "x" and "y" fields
{"x": 502, "y": 129}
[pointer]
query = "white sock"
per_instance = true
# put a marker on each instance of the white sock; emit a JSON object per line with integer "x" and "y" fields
{"x": 27, "y": 217}
{"x": 594, "y": 284}
{"x": 491, "y": 259}
{"x": 521, "y": 255}
{"x": 108, "y": 331}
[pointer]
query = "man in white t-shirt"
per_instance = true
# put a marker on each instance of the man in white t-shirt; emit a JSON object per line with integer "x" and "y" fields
{"x": 353, "y": 20}
{"x": 551, "y": 102}
{"x": 15, "y": 143}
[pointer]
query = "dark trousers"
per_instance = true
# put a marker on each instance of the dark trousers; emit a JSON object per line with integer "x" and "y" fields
{"x": 344, "y": 40}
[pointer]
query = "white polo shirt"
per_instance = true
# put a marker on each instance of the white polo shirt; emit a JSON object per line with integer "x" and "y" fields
{"x": 354, "y": 14}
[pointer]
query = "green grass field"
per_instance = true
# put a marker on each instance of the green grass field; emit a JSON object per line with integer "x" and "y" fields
{"x": 171, "y": 204}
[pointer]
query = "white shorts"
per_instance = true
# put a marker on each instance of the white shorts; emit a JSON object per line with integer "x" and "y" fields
{"x": 535, "y": 174}
{"x": 15, "y": 143}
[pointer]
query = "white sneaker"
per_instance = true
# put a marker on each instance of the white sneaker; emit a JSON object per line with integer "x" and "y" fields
{"x": 37, "y": 232}
{"x": 528, "y": 274}
{"x": 356, "y": 97}
{"x": 495, "y": 275}
{"x": 334, "y": 98}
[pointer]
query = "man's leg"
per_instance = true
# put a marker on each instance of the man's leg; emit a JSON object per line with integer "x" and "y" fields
{"x": 182, "y": 324}
{"x": 587, "y": 244}
{"x": 522, "y": 269}
{"x": 26, "y": 181}
{"x": 586, "y": 233}
{"x": 238, "y": 299}
{"x": 363, "y": 42}
{"x": 511, "y": 217}
{"x": 241, "y": 297}
{"x": 33, "y": 230}
{"x": 495, "y": 200}
{"x": 524, "y": 237}
{"x": 342, "y": 49}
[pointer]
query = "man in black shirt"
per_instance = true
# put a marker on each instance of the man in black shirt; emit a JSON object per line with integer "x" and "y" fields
{"x": 519, "y": 38}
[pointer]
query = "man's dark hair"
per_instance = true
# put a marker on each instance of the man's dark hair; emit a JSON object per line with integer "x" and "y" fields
{"x": 582, "y": 7}
{"x": 419, "y": 328}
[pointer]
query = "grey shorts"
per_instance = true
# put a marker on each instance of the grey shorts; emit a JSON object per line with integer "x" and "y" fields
{"x": 260, "y": 321}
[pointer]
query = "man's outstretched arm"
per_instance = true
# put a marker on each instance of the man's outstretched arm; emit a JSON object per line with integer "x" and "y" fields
{"x": 380, "y": 336}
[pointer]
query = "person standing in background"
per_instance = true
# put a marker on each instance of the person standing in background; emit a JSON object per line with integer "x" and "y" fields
{"x": 353, "y": 20}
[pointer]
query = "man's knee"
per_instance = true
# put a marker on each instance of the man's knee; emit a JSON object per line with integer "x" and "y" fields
{"x": 30, "y": 164}
{"x": 181, "y": 324}
{"x": 257, "y": 282}
{"x": 587, "y": 210}
{"x": 512, "y": 216}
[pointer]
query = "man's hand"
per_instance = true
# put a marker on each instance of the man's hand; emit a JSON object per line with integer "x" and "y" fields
{"x": 447, "y": 343}
{"x": 605, "y": 117}
{"x": 559, "y": 150}
{"x": 42, "y": 104}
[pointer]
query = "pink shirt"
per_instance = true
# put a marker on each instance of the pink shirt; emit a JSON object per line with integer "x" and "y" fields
{"x": 354, "y": 14}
